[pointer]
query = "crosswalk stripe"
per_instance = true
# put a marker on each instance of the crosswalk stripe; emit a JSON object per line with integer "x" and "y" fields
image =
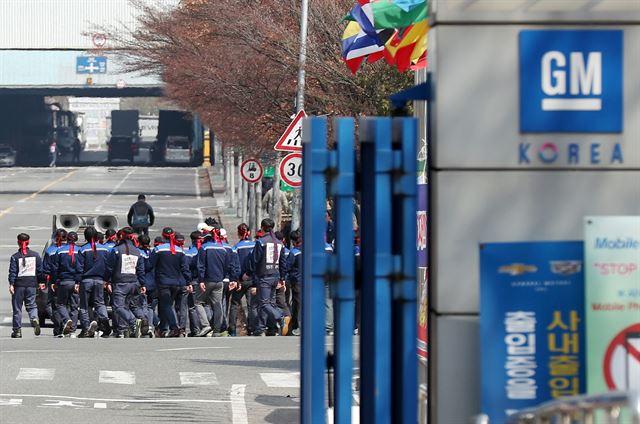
{"x": 36, "y": 374}
{"x": 281, "y": 379}
{"x": 198, "y": 378}
{"x": 10, "y": 402}
{"x": 117, "y": 377}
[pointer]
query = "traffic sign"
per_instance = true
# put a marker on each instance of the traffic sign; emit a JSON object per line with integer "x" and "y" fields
{"x": 251, "y": 170}
{"x": 91, "y": 65}
{"x": 291, "y": 169}
{"x": 99, "y": 40}
{"x": 291, "y": 140}
{"x": 622, "y": 360}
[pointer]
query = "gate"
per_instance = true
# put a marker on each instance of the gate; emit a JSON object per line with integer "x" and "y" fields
{"x": 381, "y": 173}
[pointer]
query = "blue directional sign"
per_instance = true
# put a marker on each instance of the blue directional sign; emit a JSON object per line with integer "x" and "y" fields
{"x": 571, "y": 81}
{"x": 91, "y": 65}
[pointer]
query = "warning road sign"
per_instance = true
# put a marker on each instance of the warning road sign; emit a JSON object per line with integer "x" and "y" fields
{"x": 622, "y": 360}
{"x": 291, "y": 169}
{"x": 291, "y": 140}
{"x": 251, "y": 170}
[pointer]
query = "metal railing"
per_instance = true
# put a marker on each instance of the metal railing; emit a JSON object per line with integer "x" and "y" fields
{"x": 606, "y": 408}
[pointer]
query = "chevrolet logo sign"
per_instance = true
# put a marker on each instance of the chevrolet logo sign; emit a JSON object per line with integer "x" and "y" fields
{"x": 517, "y": 269}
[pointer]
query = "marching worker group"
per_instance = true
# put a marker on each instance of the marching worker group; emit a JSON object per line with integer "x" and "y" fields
{"x": 159, "y": 289}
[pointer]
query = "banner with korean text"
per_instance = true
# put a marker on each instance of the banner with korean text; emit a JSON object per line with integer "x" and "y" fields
{"x": 612, "y": 285}
{"x": 531, "y": 324}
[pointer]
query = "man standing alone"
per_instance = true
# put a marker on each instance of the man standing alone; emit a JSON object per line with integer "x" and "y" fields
{"x": 140, "y": 216}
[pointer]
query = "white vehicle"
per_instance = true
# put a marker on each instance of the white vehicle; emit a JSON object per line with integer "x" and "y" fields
{"x": 178, "y": 149}
{"x": 7, "y": 155}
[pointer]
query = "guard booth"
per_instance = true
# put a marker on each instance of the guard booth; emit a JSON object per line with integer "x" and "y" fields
{"x": 381, "y": 173}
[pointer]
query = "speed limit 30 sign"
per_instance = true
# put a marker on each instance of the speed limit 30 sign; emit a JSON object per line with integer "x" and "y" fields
{"x": 251, "y": 170}
{"x": 291, "y": 169}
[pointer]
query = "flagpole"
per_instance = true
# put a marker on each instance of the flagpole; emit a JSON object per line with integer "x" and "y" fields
{"x": 304, "y": 24}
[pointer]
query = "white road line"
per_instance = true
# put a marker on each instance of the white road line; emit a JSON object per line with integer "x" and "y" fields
{"x": 238, "y": 406}
{"x": 197, "y": 183}
{"x": 191, "y": 348}
{"x": 36, "y": 374}
{"x": 118, "y": 400}
{"x": 115, "y": 189}
{"x": 100, "y": 405}
{"x": 117, "y": 377}
{"x": 34, "y": 351}
{"x": 281, "y": 379}
{"x": 198, "y": 379}
{"x": 10, "y": 402}
{"x": 6, "y": 320}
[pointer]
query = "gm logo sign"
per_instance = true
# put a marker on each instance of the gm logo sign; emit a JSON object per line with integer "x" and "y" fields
{"x": 571, "y": 81}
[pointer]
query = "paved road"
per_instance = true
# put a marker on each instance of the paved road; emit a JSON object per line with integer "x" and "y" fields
{"x": 129, "y": 381}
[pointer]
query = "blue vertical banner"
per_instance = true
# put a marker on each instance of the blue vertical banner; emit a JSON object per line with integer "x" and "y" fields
{"x": 531, "y": 324}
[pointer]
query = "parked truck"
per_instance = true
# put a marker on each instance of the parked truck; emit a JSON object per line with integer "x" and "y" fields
{"x": 180, "y": 137}
{"x": 124, "y": 142}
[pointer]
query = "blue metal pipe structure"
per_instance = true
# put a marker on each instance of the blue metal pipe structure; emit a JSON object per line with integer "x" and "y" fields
{"x": 387, "y": 180}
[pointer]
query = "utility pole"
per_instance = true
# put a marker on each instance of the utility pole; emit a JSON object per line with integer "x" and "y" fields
{"x": 304, "y": 23}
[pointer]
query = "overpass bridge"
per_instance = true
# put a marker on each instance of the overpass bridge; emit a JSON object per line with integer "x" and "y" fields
{"x": 57, "y": 47}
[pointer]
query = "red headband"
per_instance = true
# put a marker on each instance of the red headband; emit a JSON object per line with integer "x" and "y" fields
{"x": 23, "y": 246}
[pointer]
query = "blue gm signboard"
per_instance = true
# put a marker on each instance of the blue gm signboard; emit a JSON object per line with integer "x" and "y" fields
{"x": 91, "y": 65}
{"x": 571, "y": 81}
{"x": 531, "y": 324}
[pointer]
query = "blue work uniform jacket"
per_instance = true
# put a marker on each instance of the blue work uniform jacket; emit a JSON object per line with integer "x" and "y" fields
{"x": 294, "y": 266}
{"x": 171, "y": 269}
{"x": 149, "y": 275}
{"x": 192, "y": 254}
{"x": 65, "y": 265}
{"x": 215, "y": 263}
{"x": 25, "y": 270}
{"x": 92, "y": 264}
{"x": 267, "y": 261}
{"x": 125, "y": 264}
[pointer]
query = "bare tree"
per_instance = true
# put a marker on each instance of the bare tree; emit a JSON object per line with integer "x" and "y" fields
{"x": 234, "y": 62}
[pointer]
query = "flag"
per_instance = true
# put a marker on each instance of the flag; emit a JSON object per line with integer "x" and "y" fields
{"x": 390, "y": 15}
{"x": 407, "y": 5}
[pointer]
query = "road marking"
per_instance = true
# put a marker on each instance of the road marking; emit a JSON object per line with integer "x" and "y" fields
{"x": 281, "y": 379}
{"x": 6, "y": 320}
{"x": 10, "y": 402}
{"x": 47, "y": 187}
{"x": 198, "y": 378}
{"x": 192, "y": 348}
{"x": 238, "y": 406}
{"x": 5, "y": 211}
{"x": 100, "y": 405}
{"x": 197, "y": 183}
{"x": 116, "y": 188}
{"x": 117, "y": 377}
{"x": 118, "y": 400}
{"x": 36, "y": 374}
{"x": 33, "y": 351}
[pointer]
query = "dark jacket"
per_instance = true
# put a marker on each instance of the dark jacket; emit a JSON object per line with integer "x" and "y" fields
{"x": 267, "y": 261}
{"x": 294, "y": 266}
{"x": 139, "y": 210}
{"x": 215, "y": 263}
{"x": 125, "y": 264}
{"x": 243, "y": 249}
{"x": 192, "y": 254}
{"x": 48, "y": 259}
{"x": 149, "y": 275}
{"x": 25, "y": 270}
{"x": 65, "y": 264}
{"x": 170, "y": 269}
{"x": 92, "y": 264}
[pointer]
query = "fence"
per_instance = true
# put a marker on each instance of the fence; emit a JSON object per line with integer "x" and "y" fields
{"x": 385, "y": 173}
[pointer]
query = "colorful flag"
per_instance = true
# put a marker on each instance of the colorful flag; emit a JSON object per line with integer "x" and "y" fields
{"x": 407, "y": 5}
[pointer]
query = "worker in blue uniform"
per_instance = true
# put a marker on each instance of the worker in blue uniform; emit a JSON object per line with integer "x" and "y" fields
{"x": 242, "y": 250}
{"x": 92, "y": 267}
{"x": 267, "y": 265}
{"x": 67, "y": 287}
{"x": 215, "y": 265}
{"x": 294, "y": 280}
{"x": 125, "y": 280}
{"x": 198, "y": 321}
{"x": 59, "y": 238}
{"x": 25, "y": 273}
{"x": 173, "y": 277}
